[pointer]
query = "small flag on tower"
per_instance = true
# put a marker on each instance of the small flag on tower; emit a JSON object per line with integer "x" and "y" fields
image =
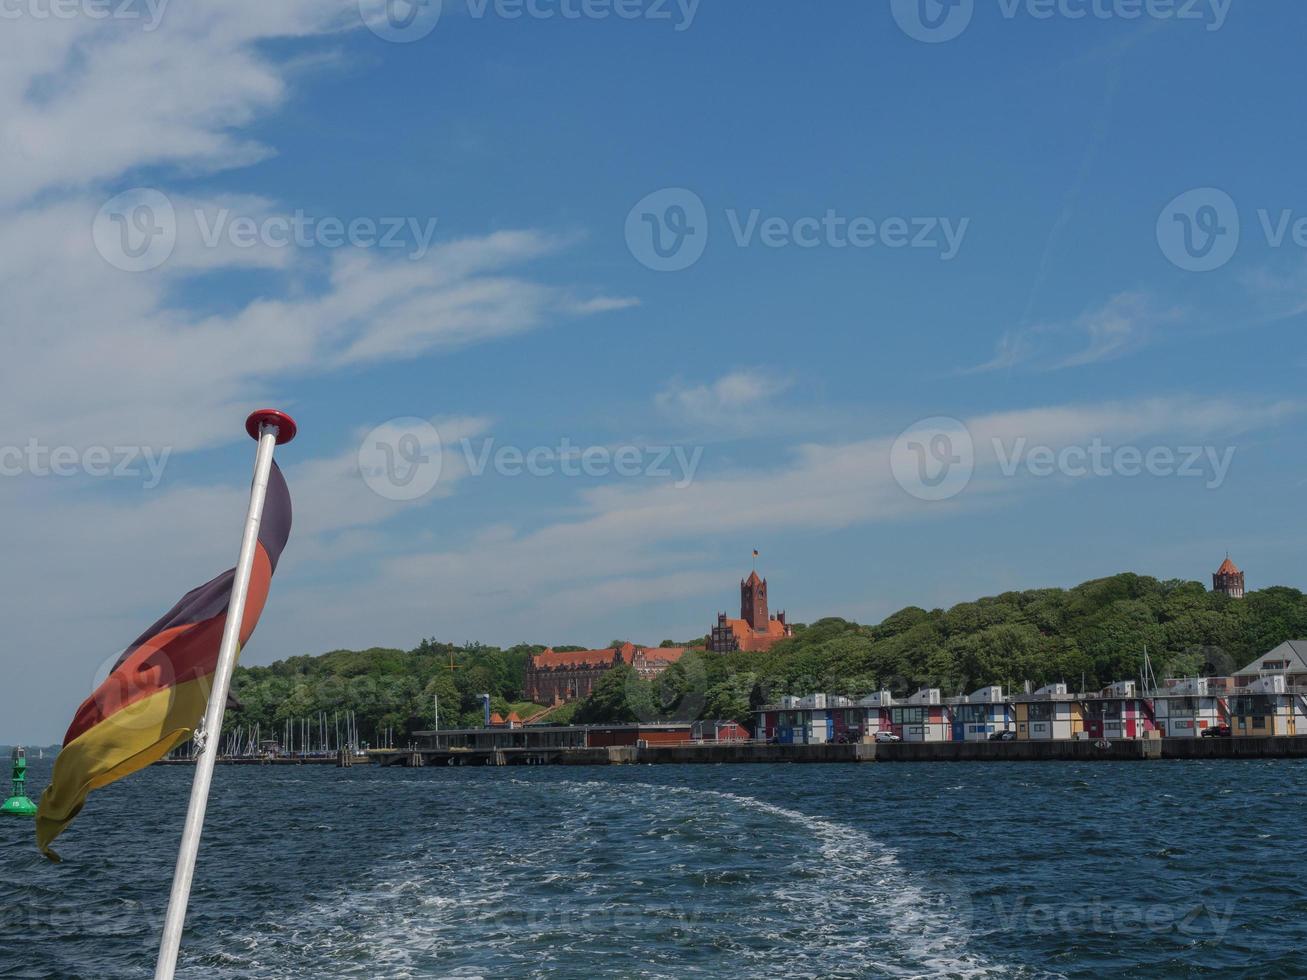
{"x": 755, "y": 552}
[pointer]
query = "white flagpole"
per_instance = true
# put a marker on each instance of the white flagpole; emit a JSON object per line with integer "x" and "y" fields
{"x": 269, "y": 428}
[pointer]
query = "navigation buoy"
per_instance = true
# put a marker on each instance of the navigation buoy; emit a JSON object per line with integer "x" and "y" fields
{"x": 19, "y": 805}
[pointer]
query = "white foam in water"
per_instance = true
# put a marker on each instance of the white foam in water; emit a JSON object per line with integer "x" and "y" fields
{"x": 929, "y": 931}
{"x": 840, "y": 904}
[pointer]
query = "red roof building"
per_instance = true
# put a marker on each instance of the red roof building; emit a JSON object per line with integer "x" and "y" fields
{"x": 554, "y": 677}
{"x": 754, "y": 631}
{"x": 1228, "y": 579}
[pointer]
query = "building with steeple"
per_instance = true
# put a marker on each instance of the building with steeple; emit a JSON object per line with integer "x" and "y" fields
{"x": 755, "y": 630}
{"x": 1228, "y": 579}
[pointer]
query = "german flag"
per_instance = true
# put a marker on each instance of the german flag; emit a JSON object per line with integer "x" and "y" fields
{"x": 158, "y": 690}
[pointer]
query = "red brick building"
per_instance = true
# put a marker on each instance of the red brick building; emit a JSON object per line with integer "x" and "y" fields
{"x": 1228, "y": 579}
{"x": 754, "y": 631}
{"x": 554, "y": 677}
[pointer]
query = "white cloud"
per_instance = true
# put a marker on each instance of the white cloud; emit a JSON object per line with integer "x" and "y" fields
{"x": 95, "y": 356}
{"x": 728, "y": 401}
{"x": 1126, "y": 323}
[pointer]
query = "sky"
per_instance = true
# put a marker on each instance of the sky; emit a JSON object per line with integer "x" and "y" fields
{"x": 578, "y": 302}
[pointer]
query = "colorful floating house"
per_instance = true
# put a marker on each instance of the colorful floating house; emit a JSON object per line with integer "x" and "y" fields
{"x": 980, "y": 714}
{"x": 819, "y": 718}
{"x": 1049, "y": 713}
{"x": 922, "y": 717}
{"x": 797, "y": 721}
{"x": 1267, "y": 707}
{"x": 1118, "y": 711}
{"x": 872, "y": 714}
{"x": 1185, "y": 708}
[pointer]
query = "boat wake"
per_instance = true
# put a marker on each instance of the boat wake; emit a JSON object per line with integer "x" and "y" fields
{"x": 614, "y": 879}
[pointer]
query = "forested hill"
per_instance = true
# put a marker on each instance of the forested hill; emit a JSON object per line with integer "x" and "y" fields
{"x": 1088, "y": 635}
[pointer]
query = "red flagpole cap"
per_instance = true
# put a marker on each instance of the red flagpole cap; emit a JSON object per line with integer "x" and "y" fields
{"x": 286, "y": 427}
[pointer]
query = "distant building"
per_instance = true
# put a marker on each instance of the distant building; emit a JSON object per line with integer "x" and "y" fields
{"x": 922, "y": 717}
{"x": 1267, "y": 706}
{"x": 1228, "y": 579}
{"x": 1186, "y": 707}
{"x": 755, "y": 630}
{"x": 981, "y": 714}
{"x": 1118, "y": 711}
{"x": 1048, "y": 714}
{"x": 1288, "y": 659}
{"x": 554, "y": 677}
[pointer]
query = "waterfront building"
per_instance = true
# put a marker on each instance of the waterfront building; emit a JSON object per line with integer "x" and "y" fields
{"x": 1228, "y": 579}
{"x": 804, "y": 721}
{"x": 871, "y": 714}
{"x": 819, "y": 718}
{"x": 719, "y": 731}
{"x": 577, "y": 736}
{"x": 755, "y": 630}
{"x": 1049, "y": 713}
{"x": 1267, "y": 707}
{"x": 980, "y": 714}
{"x": 1118, "y": 711}
{"x": 556, "y": 677}
{"x": 1185, "y": 708}
{"x": 922, "y": 717}
{"x": 1289, "y": 659}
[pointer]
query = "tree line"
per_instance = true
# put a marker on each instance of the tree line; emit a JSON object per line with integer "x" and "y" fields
{"x": 1087, "y": 636}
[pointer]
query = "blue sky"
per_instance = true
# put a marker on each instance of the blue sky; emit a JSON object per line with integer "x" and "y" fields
{"x": 1063, "y": 154}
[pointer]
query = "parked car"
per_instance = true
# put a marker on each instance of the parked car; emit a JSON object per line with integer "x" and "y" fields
{"x": 1218, "y": 731}
{"x": 1003, "y": 737}
{"x": 887, "y": 737}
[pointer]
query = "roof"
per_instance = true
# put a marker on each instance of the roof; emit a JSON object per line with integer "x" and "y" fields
{"x": 668, "y": 655}
{"x": 751, "y": 640}
{"x": 1228, "y": 567}
{"x": 1291, "y": 652}
{"x": 753, "y": 579}
{"x": 580, "y": 658}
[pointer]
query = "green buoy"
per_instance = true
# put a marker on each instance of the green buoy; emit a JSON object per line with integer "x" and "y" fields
{"x": 19, "y": 805}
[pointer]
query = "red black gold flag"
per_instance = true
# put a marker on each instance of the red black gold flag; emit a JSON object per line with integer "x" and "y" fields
{"x": 158, "y": 690}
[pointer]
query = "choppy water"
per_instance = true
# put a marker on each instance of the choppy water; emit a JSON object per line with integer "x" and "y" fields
{"x": 1136, "y": 869}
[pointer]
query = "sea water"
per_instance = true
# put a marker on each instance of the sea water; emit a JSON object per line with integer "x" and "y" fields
{"x": 969, "y": 869}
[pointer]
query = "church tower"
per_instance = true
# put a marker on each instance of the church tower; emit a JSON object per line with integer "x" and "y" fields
{"x": 1228, "y": 579}
{"x": 753, "y": 601}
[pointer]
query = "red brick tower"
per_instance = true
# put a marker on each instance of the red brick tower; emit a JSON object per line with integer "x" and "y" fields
{"x": 1228, "y": 579}
{"x": 753, "y": 601}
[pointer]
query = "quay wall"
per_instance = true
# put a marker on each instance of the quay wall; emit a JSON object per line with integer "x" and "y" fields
{"x": 726, "y": 753}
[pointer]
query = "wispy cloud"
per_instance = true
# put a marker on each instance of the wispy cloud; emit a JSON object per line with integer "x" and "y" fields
{"x": 727, "y": 401}
{"x": 1125, "y": 324}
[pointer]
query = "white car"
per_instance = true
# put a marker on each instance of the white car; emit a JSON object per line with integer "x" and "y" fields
{"x": 887, "y": 737}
